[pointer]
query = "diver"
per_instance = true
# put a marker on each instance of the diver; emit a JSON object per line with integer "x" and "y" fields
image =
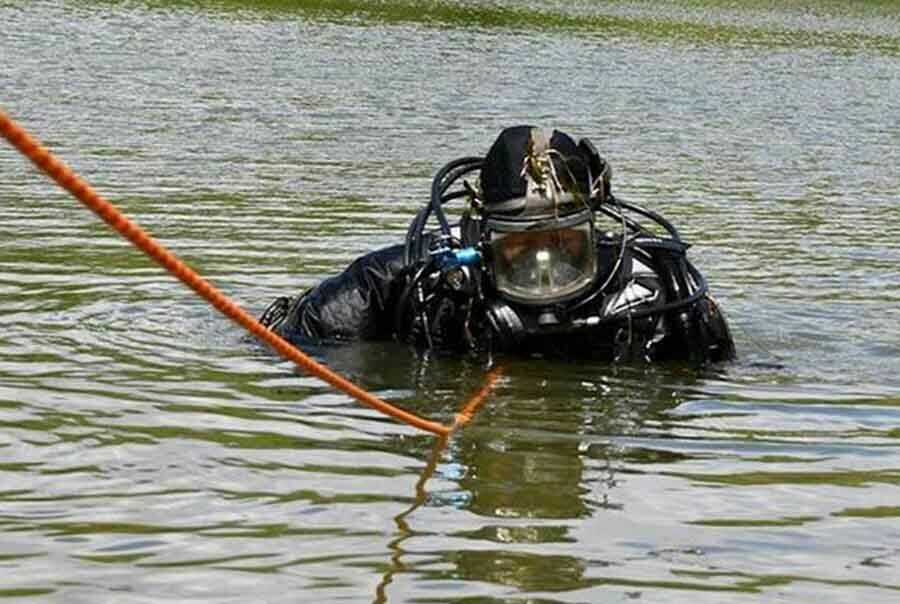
{"x": 544, "y": 260}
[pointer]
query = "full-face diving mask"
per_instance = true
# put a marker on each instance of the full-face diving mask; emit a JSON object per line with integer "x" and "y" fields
{"x": 544, "y": 260}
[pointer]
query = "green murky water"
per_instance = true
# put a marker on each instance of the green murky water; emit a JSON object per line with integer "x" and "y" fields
{"x": 149, "y": 452}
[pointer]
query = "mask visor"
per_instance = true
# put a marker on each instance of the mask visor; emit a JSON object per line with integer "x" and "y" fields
{"x": 543, "y": 266}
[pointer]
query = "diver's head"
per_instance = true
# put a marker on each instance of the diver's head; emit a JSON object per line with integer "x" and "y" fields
{"x": 538, "y": 191}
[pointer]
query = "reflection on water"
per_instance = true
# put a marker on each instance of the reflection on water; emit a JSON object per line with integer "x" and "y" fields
{"x": 149, "y": 452}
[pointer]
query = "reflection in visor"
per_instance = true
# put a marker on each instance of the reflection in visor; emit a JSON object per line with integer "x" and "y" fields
{"x": 543, "y": 266}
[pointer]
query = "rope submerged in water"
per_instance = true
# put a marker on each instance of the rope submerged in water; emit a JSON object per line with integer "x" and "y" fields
{"x": 44, "y": 159}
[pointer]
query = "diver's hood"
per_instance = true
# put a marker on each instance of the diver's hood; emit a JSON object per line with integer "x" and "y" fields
{"x": 530, "y": 171}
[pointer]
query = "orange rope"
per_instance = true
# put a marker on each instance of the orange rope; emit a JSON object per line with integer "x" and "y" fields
{"x": 78, "y": 187}
{"x": 469, "y": 410}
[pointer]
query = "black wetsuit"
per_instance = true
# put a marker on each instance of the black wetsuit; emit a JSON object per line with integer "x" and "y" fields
{"x": 655, "y": 307}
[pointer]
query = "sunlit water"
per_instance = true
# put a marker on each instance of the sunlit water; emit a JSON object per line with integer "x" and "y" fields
{"x": 150, "y": 452}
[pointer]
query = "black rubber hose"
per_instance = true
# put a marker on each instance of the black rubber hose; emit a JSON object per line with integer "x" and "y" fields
{"x": 702, "y": 290}
{"x": 443, "y": 180}
{"x": 615, "y": 214}
{"x": 654, "y": 216}
{"x": 404, "y": 297}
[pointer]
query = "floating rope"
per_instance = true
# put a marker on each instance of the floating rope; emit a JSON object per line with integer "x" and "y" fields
{"x": 468, "y": 411}
{"x": 83, "y": 192}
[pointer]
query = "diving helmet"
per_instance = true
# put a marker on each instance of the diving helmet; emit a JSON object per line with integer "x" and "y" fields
{"x": 538, "y": 190}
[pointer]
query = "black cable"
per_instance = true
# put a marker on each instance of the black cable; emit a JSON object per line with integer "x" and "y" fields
{"x": 618, "y": 215}
{"x": 654, "y": 216}
{"x": 442, "y": 181}
{"x": 404, "y": 295}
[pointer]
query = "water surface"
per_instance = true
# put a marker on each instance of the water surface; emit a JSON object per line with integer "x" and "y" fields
{"x": 150, "y": 452}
